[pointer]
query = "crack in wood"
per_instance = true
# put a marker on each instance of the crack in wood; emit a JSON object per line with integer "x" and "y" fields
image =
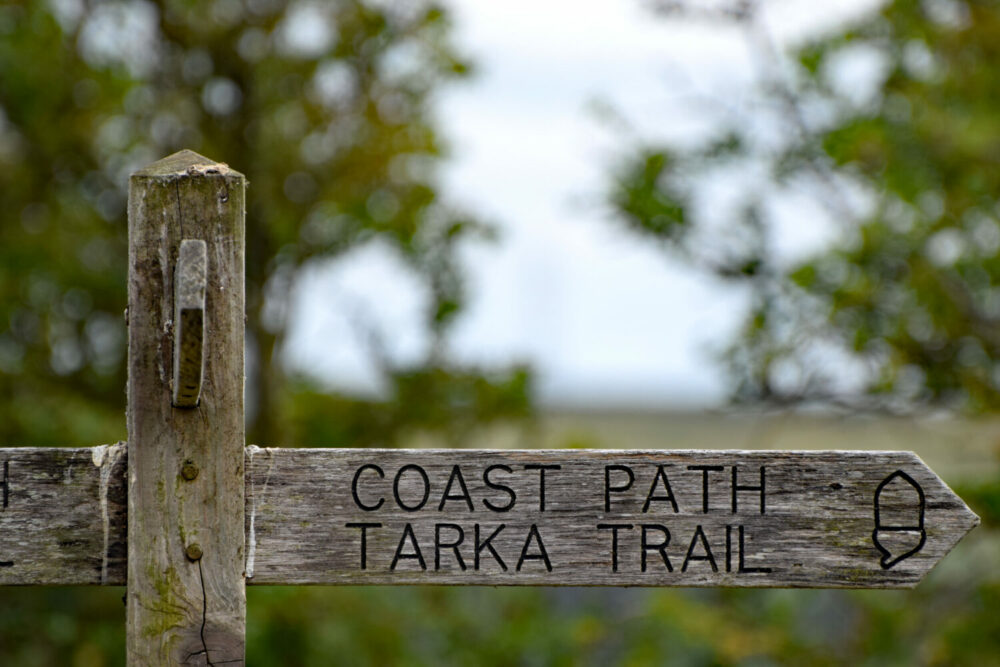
{"x": 204, "y": 613}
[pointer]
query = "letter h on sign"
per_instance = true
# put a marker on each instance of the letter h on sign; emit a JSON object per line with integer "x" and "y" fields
{"x": 748, "y": 487}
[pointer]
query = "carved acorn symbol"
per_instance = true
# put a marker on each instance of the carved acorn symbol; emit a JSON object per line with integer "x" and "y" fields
{"x": 899, "y": 518}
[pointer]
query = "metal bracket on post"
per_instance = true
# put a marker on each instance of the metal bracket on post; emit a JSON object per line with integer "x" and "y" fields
{"x": 189, "y": 323}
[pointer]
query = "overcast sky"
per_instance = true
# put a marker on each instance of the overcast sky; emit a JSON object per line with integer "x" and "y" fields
{"x": 605, "y": 318}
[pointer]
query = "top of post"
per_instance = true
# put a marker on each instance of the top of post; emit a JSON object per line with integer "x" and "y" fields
{"x": 186, "y": 163}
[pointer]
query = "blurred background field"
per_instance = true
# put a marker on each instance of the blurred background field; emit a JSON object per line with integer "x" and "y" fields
{"x": 656, "y": 224}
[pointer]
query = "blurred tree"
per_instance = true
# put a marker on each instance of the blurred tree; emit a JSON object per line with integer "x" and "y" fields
{"x": 902, "y": 310}
{"x": 324, "y": 106}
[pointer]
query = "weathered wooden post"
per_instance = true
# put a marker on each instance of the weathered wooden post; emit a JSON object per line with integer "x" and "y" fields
{"x": 186, "y": 595}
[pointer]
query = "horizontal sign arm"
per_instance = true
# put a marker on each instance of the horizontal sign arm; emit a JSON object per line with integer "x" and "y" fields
{"x": 506, "y": 517}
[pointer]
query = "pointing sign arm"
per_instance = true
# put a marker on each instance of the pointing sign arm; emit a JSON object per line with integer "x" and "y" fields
{"x": 720, "y": 518}
{"x": 622, "y": 518}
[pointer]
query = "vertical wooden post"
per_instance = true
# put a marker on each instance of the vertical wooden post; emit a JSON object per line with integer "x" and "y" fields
{"x": 186, "y": 596}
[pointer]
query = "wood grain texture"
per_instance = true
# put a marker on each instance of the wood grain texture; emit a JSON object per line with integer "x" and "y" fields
{"x": 62, "y": 515}
{"x": 817, "y": 528}
{"x": 816, "y": 531}
{"x": 184, "y": 608}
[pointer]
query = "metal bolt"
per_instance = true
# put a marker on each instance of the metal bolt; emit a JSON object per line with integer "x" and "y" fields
{"x": 189, "y": 471}
{"x": 193, "y": 552}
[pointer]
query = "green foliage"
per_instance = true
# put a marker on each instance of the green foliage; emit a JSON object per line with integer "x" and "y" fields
{"x": 335, "y": 135}
{"x": 451, "y": 403}
{"x": 907, "y": 297}
{"x": 901, "y": 312}
{"x": 43, "y": 627}
{"x": 949, "y": 620}
{"x": 340, "y": 147}
{"x": 644, "y": 198}
{"x": 984, "y": 499}
{"x": 62, "y": 258}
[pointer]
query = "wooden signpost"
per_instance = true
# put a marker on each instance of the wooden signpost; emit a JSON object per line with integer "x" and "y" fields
{"x": 185, "y": 515}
